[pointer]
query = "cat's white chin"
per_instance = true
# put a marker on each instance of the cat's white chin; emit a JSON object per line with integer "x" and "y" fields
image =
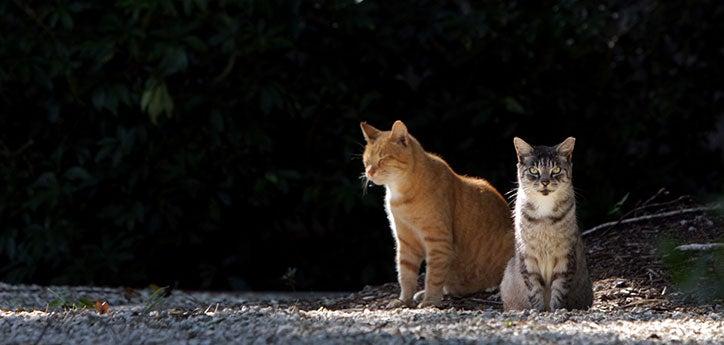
{"x": 544, "y": 204}
{"x": 383, "y": 179}
{"x": 376, "y": 182}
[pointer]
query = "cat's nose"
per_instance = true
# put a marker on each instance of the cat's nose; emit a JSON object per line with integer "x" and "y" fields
{"x": 545, "y": 182}
{"x": 371, "y": 171}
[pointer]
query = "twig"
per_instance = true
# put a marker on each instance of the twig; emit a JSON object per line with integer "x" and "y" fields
{"x": 665, "y": 203}
{"x": 29, "y": 143}
{"x": 659, "y": 192}
{"x": 5, "y": 151}
{"x": 642, "y": 301}
{"x": 699, "y": 246}
{"x": 641, "y": 205}
{"x": 227, "y": 69}
{"x": 485, "y": 301}
{"x": 648, "y": 217}
{"x": 30, "y": 13}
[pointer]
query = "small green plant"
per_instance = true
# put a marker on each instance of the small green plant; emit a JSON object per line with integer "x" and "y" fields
{"x": 616, "y": 209}
{"x": 156, "y": 297}
{"x": 62, "y": 301}
{"x": 698, "y": 274}
{"x": 289, "y": 278}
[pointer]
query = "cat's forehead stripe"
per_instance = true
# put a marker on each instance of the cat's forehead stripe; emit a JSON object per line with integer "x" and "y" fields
{"x": 544, "y": 156}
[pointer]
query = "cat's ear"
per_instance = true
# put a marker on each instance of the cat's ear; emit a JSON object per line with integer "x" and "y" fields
{"x": 399, "y": 133}
{"x": 522, "y": 148}
{"x": 369, "y": 132}
{"x": 566, "y": 147}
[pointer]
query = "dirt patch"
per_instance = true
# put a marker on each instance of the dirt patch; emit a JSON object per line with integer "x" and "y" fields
{"x": 625, "y": 261}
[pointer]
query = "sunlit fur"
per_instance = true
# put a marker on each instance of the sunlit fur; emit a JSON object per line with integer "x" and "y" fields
{"x": 460, "y": 226}
{"x": 549, "y": 269}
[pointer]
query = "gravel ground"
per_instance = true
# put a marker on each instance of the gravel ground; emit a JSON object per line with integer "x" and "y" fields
{"x": 142, "y": 317}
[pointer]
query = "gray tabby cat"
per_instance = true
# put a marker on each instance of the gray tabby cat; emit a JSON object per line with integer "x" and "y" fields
{"x": 548, "y": 271}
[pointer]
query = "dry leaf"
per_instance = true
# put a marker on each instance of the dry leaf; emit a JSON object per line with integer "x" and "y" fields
{"x": 102, "y": 307}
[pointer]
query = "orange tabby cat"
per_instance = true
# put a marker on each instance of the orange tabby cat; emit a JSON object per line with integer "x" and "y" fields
{"x": 461, "y": 226}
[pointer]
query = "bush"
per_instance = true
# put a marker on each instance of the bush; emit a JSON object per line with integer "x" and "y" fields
{"x": 215, "y": 143}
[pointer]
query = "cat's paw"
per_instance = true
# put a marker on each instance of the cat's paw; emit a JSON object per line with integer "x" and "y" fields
{"x": 539, "y": 307}
{"x": 536, "y": 302}
{"x": 398, "y": 303}
{"x": 429, "y": 304}
{"x": 423, "y": 301}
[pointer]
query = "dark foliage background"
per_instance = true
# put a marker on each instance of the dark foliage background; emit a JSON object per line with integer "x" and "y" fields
{"x": 215, "y": 143}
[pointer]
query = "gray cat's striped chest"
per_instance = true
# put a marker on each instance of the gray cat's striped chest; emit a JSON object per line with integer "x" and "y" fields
{"x": 545, "y": 231}
{"x": 547, "y": 222}
{"x": 546, "y": 212}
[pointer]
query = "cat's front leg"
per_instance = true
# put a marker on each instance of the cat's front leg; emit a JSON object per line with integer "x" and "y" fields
{"x": 439, "y": 254}
{"x": 533, "y": 283}
{"x": 560, "y": 282}
{"x": 408, "y": 259}
{"x": 559, "y": 289}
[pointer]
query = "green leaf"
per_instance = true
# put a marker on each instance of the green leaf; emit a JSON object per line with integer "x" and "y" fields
{"x": 156, "y": 100}
{"x": 146, "y": 98}
{"x": 66, "y": 20}
{"x": 46, "y": 180}
{"x": 187, "y": 7}
{"x": 617, "y": 207}
{"x": 99, "y": 98}
{"x": 201, "y": 4}
{"x": 195, "y": 43}
{"x": 270, "y": 98}
{"x": 85, "y": 303}
{"x": 77, "y": 173}
{"x": 513, "y": 106}
{"x": 174, "y": 60}
{"x": 108, "y": 145}
{"x": 56, "y": 303}
{"x": 217, "y": 121}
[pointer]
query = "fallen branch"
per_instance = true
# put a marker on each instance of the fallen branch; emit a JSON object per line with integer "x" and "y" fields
{"x": 643, "y": 301}
{"x": 666, "y": 203}
{"x": 700, "y": 246}
{"x": 640, "y": 206}
{"x": 653, "y": 197}
{"x": 650, "y": 216}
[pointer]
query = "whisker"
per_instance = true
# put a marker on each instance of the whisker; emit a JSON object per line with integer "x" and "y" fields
{"x": 512, "y": 194}
{"x": 511, "y": 202}
{"x": 365, "y": 183}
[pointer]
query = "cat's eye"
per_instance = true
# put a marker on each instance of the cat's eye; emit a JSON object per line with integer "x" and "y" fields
{"x": 556, "y": 170}
{"x": 533, "y": 170}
